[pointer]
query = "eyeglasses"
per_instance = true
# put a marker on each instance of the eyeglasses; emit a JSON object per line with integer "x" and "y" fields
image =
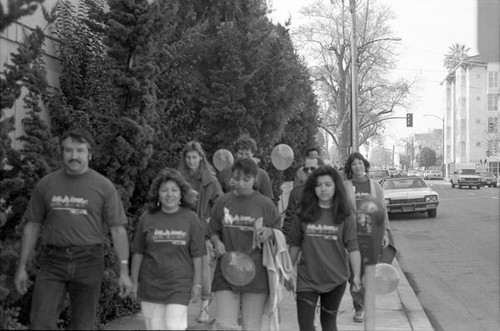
{"x": 311, "y": 169}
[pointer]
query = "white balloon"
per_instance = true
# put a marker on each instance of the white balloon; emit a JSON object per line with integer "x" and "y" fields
{"x": 386, "y": 278}
{"x": 222, "y": 159}
{"x": 282, "y": 156}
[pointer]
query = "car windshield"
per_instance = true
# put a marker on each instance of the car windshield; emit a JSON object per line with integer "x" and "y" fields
{"x": 407, "y": 183}
{"x": 487, "y": 174}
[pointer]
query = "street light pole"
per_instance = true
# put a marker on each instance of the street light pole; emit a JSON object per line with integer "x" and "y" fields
{"x": 354, "y": 74}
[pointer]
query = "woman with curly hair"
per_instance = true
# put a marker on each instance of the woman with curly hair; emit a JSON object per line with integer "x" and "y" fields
{"x": 167, "y": 253}
{"x": 359, "y": 187}
{"x": 201, "y": 176}
{"x": 324, "y": 230}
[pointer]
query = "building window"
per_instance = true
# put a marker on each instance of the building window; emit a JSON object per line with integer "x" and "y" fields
{"x": 493, "y": 79}
{"x": 478, "y": 75}
{"x": 492, "y": 124}
{"x": 478, "y": 98}
{"x": 478, "y": 144}
{"x": 492, "y": 102}
{"x": 493, "y": 147}
{"x": 478, "y": 121}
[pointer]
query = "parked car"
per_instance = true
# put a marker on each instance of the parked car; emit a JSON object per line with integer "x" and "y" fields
{"x": 410, "y": 195}
{"x": 412, "y": 173}
{"x": 379, "y": 174}
{"x": 435, "y": 174}
{"x": 488, "y": 179}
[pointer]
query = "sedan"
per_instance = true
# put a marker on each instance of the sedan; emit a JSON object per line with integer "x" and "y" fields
{"x": 435, "y": 174}
{"x": 410, "y": 195}
{"x": 488, "y": 179}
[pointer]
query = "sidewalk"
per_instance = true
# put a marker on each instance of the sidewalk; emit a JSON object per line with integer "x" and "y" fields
{"x": 399, "y": 310}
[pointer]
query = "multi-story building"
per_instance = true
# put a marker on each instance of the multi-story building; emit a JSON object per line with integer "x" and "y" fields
{"x": 472, "y": 90}
{"x": 10, "y": 40}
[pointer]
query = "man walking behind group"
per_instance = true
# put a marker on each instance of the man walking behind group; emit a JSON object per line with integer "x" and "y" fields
{"x": 310, "y": 164}
{"x": 71, "y": 206}
{"x": 245, "y": 147}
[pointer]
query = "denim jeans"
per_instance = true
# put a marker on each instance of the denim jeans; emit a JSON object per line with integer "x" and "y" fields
{"x": 75, "y": 270}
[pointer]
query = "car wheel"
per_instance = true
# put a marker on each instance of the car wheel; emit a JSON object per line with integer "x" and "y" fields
{"x": 479, "y": 187}
{"x": 432, "y": 213}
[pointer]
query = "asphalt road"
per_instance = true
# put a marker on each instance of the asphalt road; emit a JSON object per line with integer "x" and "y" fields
{"x": 452, "y": 261}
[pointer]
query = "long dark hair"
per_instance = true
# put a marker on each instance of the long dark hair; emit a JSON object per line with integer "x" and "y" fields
{"x": 194, "y": 146}
{"x": 309, "y": 208}
{"x": 187, "y": 193}
{"x": 350, "y": 160}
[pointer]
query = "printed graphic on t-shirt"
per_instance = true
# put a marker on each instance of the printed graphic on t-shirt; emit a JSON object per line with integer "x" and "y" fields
{"x": 175, "y": 237}
{"x": 328, "y": 232}
{"x": 243, "y": 223}
{"x": 74, "y": 205}
{"x": 363, "y": 220}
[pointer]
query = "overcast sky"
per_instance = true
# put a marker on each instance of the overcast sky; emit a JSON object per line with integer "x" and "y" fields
{"x": 427, "y": 29}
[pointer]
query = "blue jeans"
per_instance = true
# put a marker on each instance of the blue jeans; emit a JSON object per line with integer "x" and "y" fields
{"x": 74, "y": 270}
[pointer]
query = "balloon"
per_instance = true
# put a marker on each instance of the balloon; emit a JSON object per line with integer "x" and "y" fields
{"x": 282, "y": 156}
{"x": 238, "y": 268}
{"x": 222, "y": 159}
{"x": 386, "y": 278}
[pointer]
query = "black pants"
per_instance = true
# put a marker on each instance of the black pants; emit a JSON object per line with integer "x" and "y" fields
{"x": 330, "y": 303}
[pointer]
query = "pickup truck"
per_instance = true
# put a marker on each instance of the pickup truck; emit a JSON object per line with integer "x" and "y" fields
{"x": 465, "y": 177}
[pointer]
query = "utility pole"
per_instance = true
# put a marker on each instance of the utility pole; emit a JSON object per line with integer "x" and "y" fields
{"x": 354, "y": 82}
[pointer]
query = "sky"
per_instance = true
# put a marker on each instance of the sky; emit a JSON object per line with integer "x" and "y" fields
{"x": 427, "y": 29}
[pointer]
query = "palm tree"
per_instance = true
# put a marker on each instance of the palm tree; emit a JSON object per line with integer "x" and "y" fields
{"x": 456, "y": 55}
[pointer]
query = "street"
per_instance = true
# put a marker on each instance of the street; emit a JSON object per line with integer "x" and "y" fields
{"x": 452, "y": 261}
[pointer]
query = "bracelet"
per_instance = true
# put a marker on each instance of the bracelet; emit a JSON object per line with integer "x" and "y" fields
{"x": 197, "y": 285}
{"x": 124, "y": 261}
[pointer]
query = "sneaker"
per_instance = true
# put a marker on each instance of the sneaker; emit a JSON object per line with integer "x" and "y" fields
{"x": 204, "y": 317}
{"x": 358, "y": 316}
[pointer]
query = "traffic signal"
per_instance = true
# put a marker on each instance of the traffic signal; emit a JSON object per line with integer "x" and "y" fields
{"x": 409, "y": 120}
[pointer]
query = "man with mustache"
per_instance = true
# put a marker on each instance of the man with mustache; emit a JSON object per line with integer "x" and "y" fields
{"x": 71, "y": 207}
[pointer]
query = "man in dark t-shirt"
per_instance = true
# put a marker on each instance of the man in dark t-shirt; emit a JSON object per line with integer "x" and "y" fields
{"x": 245, "y": 147}
{"x": 72, "y": 206}
{"x": 311, "y": 163}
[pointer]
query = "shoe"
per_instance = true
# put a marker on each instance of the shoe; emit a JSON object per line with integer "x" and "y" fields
{"x": 204, "y": 317}
{"x": 359, "y": 316}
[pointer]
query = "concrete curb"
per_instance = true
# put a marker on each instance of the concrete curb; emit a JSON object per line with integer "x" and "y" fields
{"x": 414, "y": 311}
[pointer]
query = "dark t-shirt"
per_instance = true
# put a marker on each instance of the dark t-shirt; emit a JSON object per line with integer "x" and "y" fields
{"x": 233, "y": 219}
{"x": 324, "y": 262}
{"x": 74, "y": 209}
{"x": 363, "y": 220}
{"x": 168, "y": 243}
